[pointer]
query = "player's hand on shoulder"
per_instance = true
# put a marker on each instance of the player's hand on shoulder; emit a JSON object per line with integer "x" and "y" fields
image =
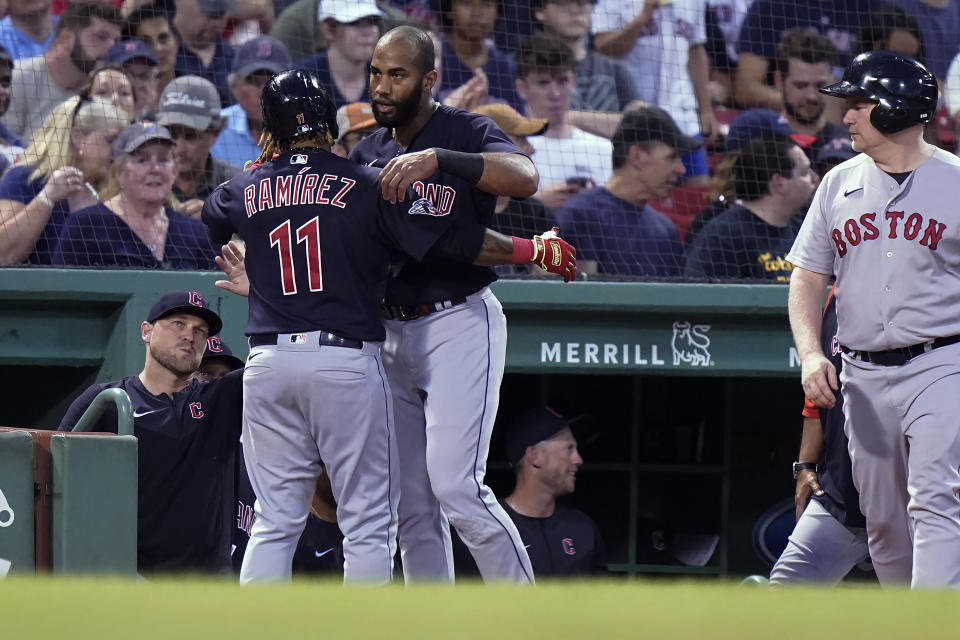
{"x": 403, "y": 171}
{"x": 819, "y": 379}
{"x": 234, "y": 267}
{"x": 808, "y": 484}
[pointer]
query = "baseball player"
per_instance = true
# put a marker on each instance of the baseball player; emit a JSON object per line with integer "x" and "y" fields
{"x": 187, "y": 433}
{"x": 885, "y": 223}
{"x": 446, "y": 331}
{"x": 320, "y": 243}
{"x": 830, "y": 537}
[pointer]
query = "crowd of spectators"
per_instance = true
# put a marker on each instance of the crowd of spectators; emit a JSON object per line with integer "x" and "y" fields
{"x": 645, "y": 118}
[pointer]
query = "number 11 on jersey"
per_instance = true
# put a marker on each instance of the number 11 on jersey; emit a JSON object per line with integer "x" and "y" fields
{"x": 309, "y": 235}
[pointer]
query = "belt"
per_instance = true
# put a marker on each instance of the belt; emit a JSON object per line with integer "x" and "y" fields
{"x": 327, "y": 339}
{"x": 897, "y": 357}
{"x": 414, "y": 311}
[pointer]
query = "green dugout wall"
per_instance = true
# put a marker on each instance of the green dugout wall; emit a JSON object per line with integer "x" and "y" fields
{"x": 693, "y": 388}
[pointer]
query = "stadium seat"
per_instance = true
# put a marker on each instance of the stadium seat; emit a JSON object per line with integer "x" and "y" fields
{"x": 683, "y": 205}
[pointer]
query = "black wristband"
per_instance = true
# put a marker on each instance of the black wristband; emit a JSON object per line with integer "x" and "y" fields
{"x": 803, "y": 466}
{"x": 468, "y": 166}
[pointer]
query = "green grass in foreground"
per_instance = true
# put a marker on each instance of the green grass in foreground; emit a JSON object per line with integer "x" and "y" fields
{"x": 171, "y": 610}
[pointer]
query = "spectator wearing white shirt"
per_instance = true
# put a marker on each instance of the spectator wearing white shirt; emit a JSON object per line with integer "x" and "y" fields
{"x": 568, "y": 159}
{"x": 662, "y": 44}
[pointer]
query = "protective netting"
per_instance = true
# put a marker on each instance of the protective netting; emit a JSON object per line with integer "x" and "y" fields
{"x": 707, "y": 176}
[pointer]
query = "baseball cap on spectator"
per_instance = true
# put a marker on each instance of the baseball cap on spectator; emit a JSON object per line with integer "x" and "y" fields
{"x": 835, "y": 150}
{"x": 511, "y": 121}
{"x": 537, "y": 425}
{"x": 127, "y": 50}
{"x": 651, "y": 124}
{"x": 189, "y": 101}
{"x": 758, "y": 122}
{"x": 355, "y": 117}
{"x": 347, "y": 11}
{"x": 185, "y": 302}
{"x": 217, "y": 7}
{"x": 261, "y": 54}
{"x": 217, "y": 349}
{"x": 133, "y": 136}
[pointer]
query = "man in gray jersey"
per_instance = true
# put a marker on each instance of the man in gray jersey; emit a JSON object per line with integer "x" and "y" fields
{"x": 886, "y": 224}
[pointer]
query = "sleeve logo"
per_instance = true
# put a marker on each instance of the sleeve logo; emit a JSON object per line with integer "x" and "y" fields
{"x": 425, "y": 207}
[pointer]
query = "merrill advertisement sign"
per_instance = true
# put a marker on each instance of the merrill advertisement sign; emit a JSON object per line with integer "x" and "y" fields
{"x": 681, "y": 345}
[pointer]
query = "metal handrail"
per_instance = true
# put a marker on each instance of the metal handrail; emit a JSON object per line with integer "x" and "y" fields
{"x": 118, "y": 397}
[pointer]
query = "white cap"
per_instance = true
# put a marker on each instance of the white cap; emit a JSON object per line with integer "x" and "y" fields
{"x": 347, "y": 10}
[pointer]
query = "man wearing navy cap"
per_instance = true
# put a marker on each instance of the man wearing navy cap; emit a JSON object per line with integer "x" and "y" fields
{"x": 140, "y": 63}
{"x": 187, "y": 433}
{"x": 560, "y": 540}
{"x": 257, "y": 61}
{"x": 199, "y": 25}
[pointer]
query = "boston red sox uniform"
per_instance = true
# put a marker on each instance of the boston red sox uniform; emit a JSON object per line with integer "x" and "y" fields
{"x": 894, "y": 247}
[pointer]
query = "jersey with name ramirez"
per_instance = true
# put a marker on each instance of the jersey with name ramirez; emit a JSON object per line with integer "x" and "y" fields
{"x": 436, "y": 277}
{"x": 895, "y": 250}
{"x": 320, "y": 241}
{"x": 186, "y": 451}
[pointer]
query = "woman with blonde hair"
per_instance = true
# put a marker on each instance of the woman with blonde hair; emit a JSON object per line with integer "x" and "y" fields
{"x": 136, "y": 224}
{"x": 66, "y": 164}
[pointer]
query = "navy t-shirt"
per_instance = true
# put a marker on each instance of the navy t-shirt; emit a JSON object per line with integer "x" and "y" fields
{"x": 623, "y": 238}
{"x": 186, "y": 450}
{"x": 321, "y": 241}
{"x": 768, "y": 20}
{"x": 17, "y": 186}
{"x": 841, "y": 497}
{"x": 438, "y": 278}
{"x": 738, "y": 244}
{"x": 567, "y": 543}
{"x": 500, "y": 70}
{"x": 320, "y": 65}
{"x": 188, "y": 63}
{"x": 96, "y": 236}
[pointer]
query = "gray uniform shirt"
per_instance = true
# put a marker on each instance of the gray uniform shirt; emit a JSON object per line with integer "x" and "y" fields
{"x": 895, "y": 250}
{"x": 33, "y": 95}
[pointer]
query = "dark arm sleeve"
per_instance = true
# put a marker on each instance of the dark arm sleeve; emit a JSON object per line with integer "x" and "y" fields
{"x": 229, "y": 392}
{"x": 460, "y": 243}
{"x": 626, "y": 90}
{"x": 413, "y": 226}
{"x": 78, "y": 406}
{"x": 215, "y": 216}
{"x": 599, "y": 553}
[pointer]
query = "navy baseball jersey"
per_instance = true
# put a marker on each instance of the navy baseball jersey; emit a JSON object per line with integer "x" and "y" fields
{"x": 315, "y": 223}
{"x": 187, "y": 449}
{"x": 840, "y": 498}
{"x": 436, "y": 277}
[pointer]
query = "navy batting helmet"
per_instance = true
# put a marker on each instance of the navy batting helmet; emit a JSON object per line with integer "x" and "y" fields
{"x": 294, "y": 103}
{"x": 905, "y": 92}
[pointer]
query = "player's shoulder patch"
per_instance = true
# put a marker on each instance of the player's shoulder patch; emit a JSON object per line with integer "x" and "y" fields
{"x": 298, "y": 158}
{"x": 425, "y": 207}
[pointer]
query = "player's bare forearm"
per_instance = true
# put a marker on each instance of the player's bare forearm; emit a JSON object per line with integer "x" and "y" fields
{"x": 805, "y": 300}
{"x": 509, "y": 174}
{"x": 811, "y": 442}
{"x": 496, "y": 249}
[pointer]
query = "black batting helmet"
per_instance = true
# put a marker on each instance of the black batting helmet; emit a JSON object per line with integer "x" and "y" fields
{"x": 294, "y": 103}
{"x": 905, "y": 92}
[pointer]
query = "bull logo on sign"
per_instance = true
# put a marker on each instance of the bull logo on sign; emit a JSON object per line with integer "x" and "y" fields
{"x": 690, "y": 344}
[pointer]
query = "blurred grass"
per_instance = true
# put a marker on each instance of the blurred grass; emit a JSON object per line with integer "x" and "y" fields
{"x": 66, "y": 608}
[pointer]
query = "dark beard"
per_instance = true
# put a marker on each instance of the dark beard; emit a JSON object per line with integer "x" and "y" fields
{"x": 406, "y": 109}
{"x": 799, "y": 118}
{"x": 171, "y": 364}
{"x": 80, "y": 59}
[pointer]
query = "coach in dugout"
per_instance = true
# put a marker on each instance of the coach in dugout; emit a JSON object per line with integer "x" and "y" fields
{"x": 187, "y": 432}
